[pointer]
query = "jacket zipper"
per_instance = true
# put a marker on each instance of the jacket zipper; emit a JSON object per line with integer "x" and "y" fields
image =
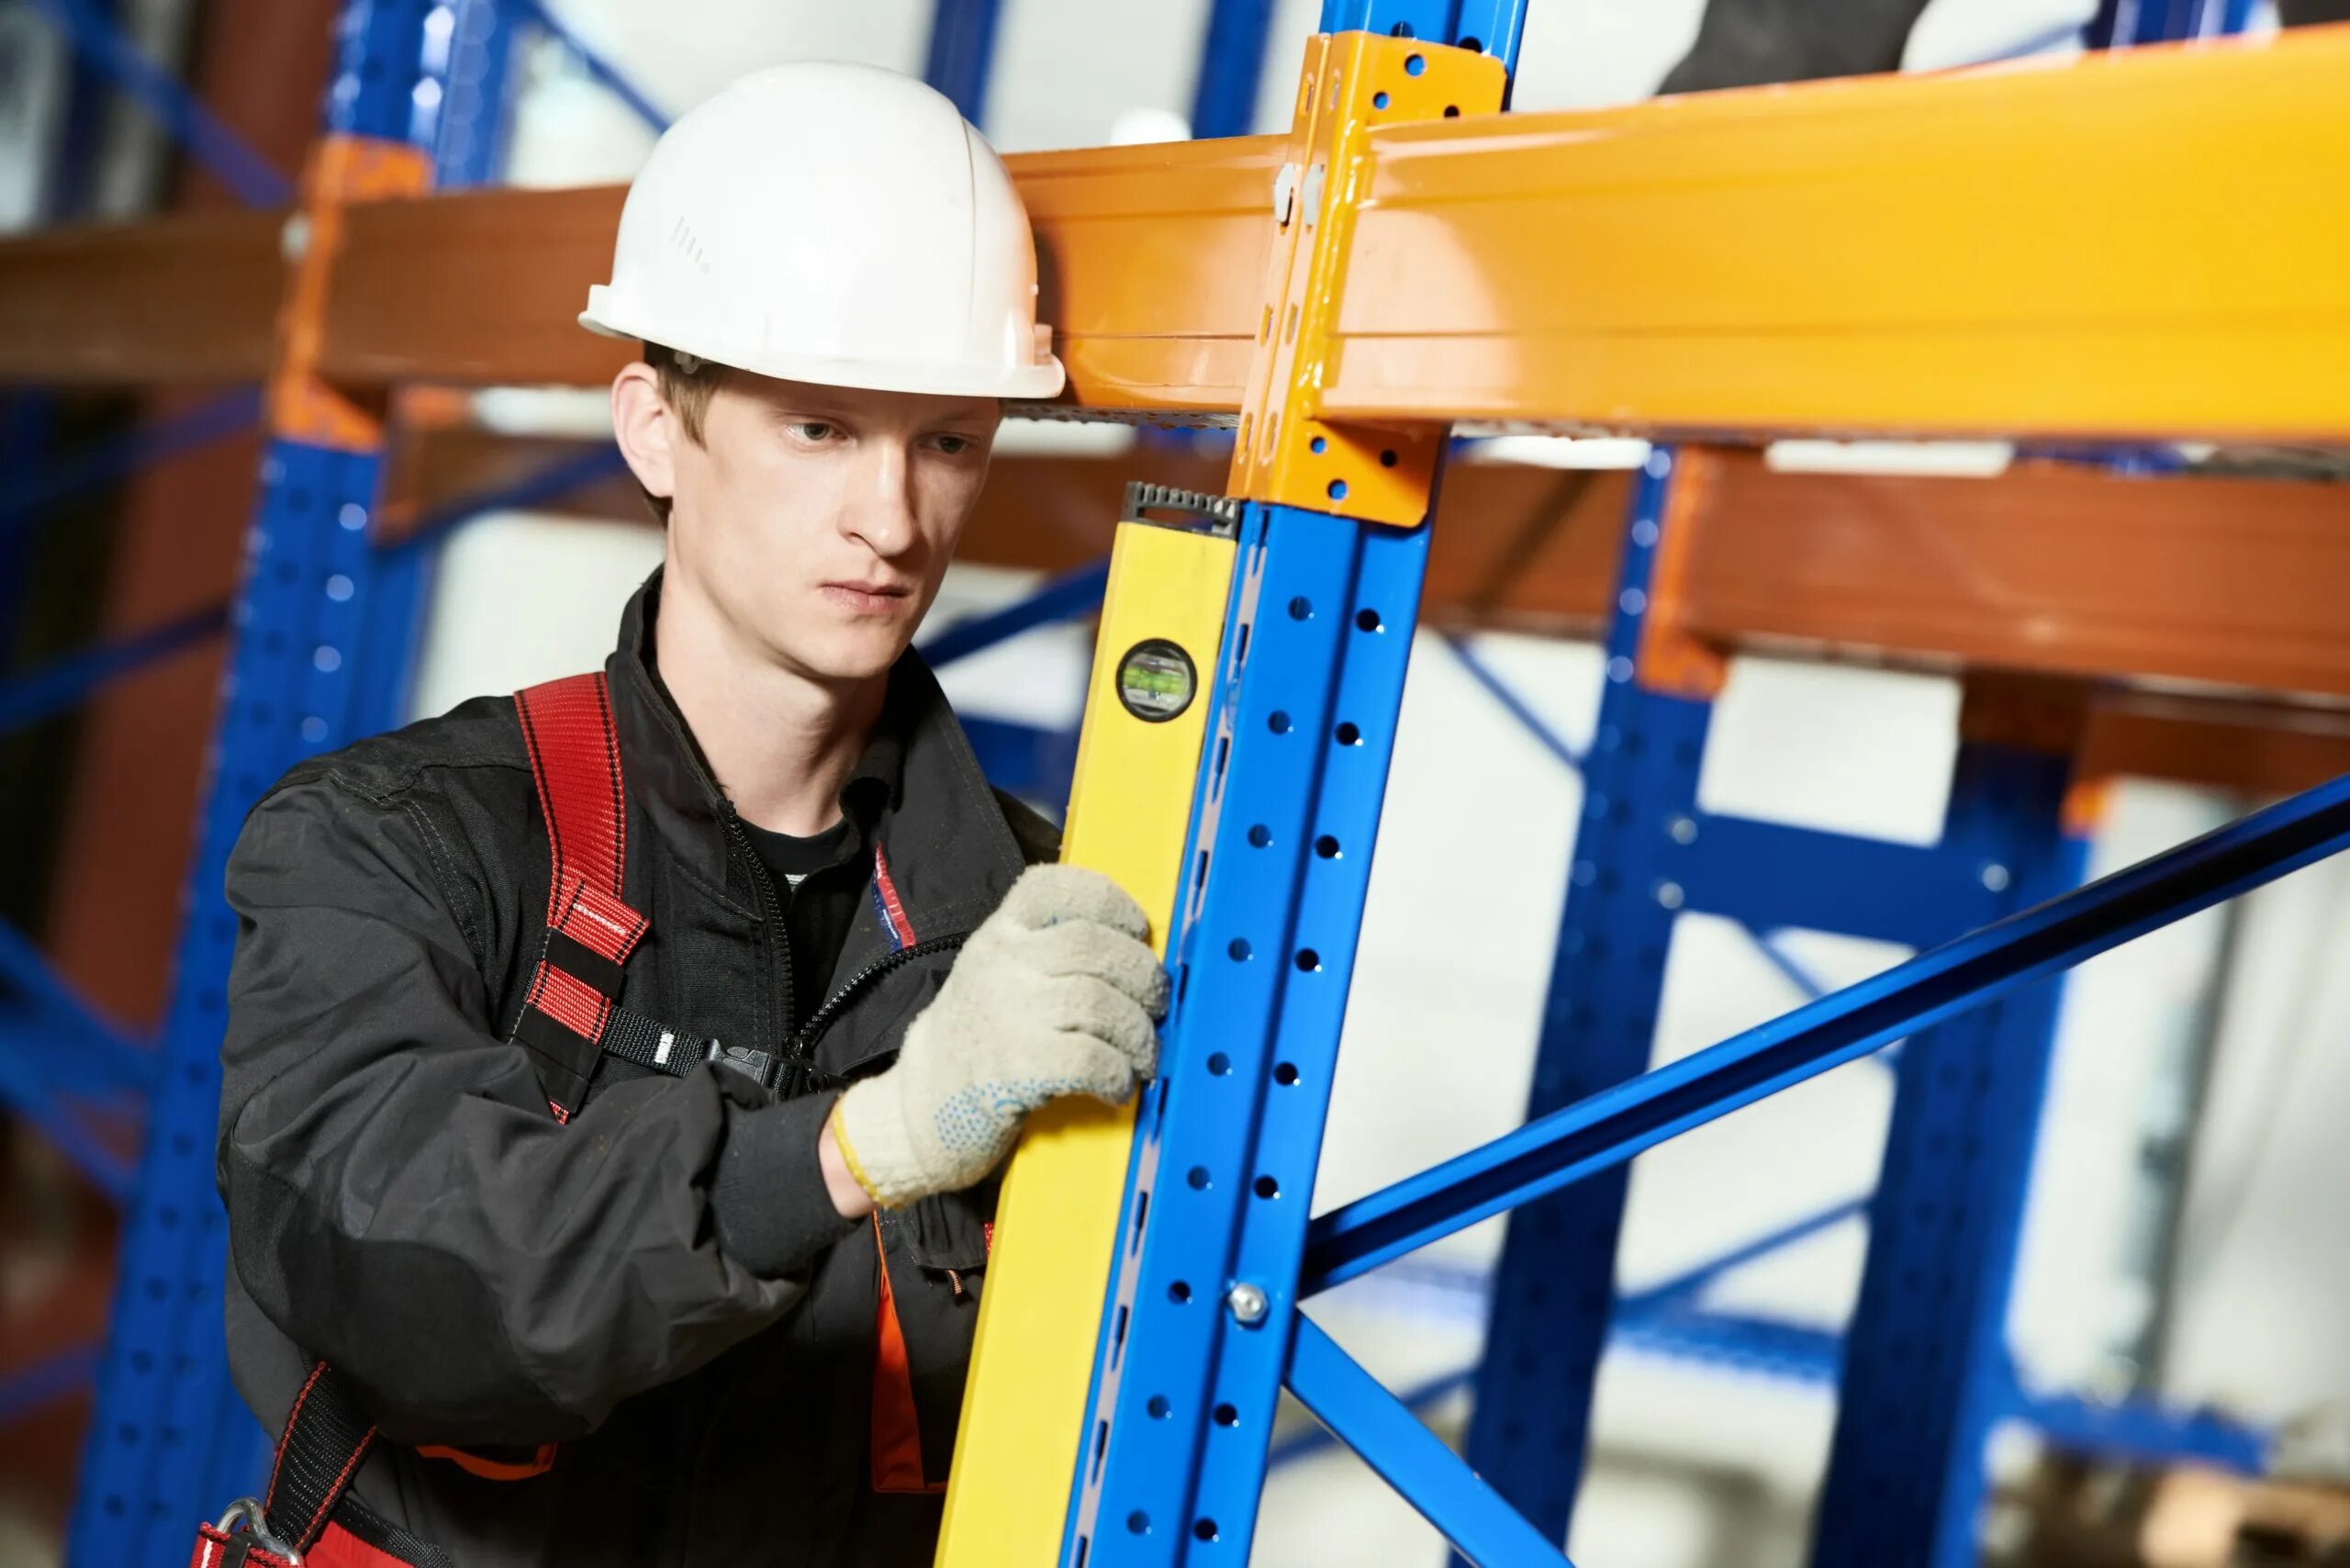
{"x": 800, "y": 1059}
{"x": 770, "y": 915}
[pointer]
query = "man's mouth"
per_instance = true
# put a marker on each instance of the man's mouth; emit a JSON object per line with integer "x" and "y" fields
{"x": 868, "y": 598}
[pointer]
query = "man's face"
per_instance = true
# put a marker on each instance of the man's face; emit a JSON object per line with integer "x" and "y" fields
{"x": 819, "y": 520}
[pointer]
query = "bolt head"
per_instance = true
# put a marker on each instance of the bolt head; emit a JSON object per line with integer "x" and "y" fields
{"x": 1246, "y": 1302}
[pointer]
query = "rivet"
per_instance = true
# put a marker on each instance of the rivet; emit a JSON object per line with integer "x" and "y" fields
{"x": 1246, "y": 1302}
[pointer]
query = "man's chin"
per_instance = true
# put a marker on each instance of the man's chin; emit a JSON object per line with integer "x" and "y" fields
{"x": 852, "y": 661}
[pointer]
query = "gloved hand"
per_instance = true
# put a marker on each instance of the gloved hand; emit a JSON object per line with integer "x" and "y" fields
{"x": 1056, "y": 993}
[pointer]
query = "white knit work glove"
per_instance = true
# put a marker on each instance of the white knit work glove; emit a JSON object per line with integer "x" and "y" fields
{"x": 1056, "y": 993}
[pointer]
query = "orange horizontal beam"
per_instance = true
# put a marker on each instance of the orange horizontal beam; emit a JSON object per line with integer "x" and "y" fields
{"x": 1149, "y": 262}
{"x": 474, "y": 289}
{"x": 2149, "y": 242}
{"x": 2050, "y": 568}
{"x": 1528, "y": 549}
{"x": 188, "y": 298}
{"x": 2257, "y": 750}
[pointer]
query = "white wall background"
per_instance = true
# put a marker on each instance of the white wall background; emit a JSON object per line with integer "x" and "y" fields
{"x": 1695, "y": 1469}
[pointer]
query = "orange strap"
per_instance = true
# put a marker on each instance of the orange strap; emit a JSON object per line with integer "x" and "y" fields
{"x": 538, "y": 1463}
{"x": 897, "y": 1431}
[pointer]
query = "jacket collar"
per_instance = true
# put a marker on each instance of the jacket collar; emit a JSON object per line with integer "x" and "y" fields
{"x": 951, "y": 854}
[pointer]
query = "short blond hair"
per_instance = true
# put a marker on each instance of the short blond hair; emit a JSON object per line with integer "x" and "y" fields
{"x": 687, "y": 385}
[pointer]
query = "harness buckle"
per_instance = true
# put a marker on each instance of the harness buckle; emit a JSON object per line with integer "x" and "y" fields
{"x": 753, "y": 1063}
{"x": 247, "y": 1511}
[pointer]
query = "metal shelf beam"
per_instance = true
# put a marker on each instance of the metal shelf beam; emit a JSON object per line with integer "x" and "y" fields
{"x": 1979, "y": 272}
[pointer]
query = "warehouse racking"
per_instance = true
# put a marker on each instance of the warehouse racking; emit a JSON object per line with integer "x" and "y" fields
{"x": 325, "y": 629}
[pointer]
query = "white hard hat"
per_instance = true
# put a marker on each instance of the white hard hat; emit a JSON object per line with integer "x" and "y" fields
{"x": 833, "y": 223}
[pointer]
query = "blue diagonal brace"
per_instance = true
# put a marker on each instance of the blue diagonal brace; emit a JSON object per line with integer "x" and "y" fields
{"x": 26, "y": 1091}
{"x": 223, "y": 152}
{"x": 1069, "y": 595}
{"x": 62, "y": 684}
{"x": 103, "y": 463}
{"x": 1604, "y": 1130}
{"x": 97, "y": 1057}
{"x": 1431, "y": 1478}
{"x": 32, "y": 1388}
{"x": 595, "y": 65}
{"x": 1685, "y": 1287}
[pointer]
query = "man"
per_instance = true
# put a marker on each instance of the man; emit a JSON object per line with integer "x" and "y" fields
{"x": 607, "y": 1297}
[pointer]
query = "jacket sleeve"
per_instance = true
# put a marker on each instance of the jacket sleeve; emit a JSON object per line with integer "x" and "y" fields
{"x": 401, "y": 1202}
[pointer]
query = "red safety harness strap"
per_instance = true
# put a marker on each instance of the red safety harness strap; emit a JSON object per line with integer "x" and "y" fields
{"x": 590, "y": 930}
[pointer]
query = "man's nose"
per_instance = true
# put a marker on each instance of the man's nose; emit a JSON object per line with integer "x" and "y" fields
{"x": 883, "y": 515}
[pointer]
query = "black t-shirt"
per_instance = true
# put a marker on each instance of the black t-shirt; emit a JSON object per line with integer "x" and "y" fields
{"x": 820, "y": 879}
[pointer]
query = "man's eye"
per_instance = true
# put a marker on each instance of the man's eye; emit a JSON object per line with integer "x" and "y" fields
{"x": 956, "y": 445}
{"x": 813, "y": 431}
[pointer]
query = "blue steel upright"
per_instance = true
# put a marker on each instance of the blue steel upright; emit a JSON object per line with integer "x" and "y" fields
{"x": 1926, "y": 1373}
{"x": 1644, "y": 853}
{"x": 1316, "y": 641}
{"x": 1319, "y": 635}
{"x": 1553, "y": 1296}
{"x": 961, "y": 57}
{"x": 171, "y": 1440}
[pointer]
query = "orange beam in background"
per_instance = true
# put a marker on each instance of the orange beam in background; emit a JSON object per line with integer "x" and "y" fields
{"x": 190, "y": 298}
{"x": 2049, "y": 568}
{"x": 1147, "y": 257}
{"x": 474, "y": 289}
{"x": 2254, "y": 750}
{"x": 1528, "y": 549}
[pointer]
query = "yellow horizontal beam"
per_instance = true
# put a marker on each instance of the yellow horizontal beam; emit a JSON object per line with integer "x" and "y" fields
{"x": 1150, "y": 261}
{"x": 2147, "y": 243}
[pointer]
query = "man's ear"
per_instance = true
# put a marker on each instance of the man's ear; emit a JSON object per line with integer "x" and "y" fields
{"x": 646, "y": 428}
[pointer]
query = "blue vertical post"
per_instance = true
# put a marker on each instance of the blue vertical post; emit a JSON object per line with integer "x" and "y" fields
{"x": 1316, "y": 643}
{"x": 962, "y": 52}
{"x": 471, "y": 64}
{"x": 1172, "y": 1461}
{"x": 171, "y": 1441}
{"x": 2120, "y": 24}
{"x": 1925, "y": 1370}
{"x": 1645, "y": 852}
{"x": 1232, "y": 67}
{"x": 1554, "y": 1292}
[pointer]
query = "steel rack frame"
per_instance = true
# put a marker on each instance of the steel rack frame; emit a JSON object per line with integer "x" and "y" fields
{"x": 324, "y": 589}
{"x": 325, "y": 627}
{"x": 1390, "y": 367}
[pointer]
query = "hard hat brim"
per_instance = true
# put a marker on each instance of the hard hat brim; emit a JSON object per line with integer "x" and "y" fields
{"x": 1018, "y": 384}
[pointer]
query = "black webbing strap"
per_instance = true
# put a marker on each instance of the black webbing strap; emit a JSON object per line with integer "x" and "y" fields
{"x": 648, "y": 1042}
{"x": 379, "y": 1532}
{"x": 327, "y": 1433}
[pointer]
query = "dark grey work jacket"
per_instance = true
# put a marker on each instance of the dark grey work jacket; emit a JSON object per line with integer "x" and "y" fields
{"x": 660, "y": 1287}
